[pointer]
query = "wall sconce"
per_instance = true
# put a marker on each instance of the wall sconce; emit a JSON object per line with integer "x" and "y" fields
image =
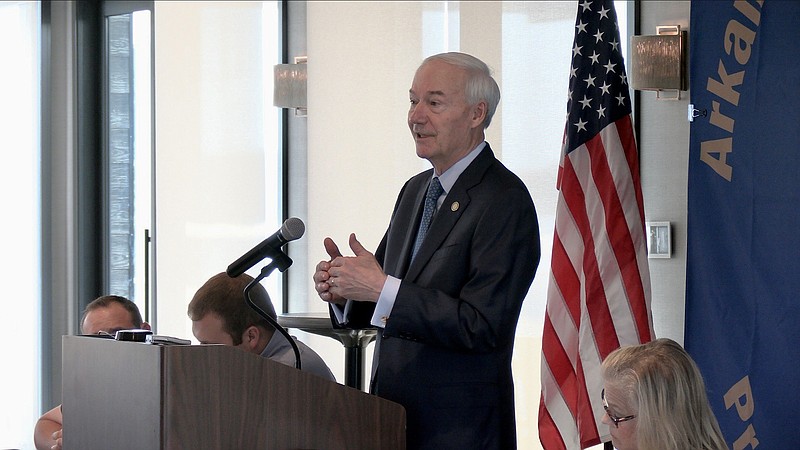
{"x": 290, "y": 86}
{"x": 658, "y": 63}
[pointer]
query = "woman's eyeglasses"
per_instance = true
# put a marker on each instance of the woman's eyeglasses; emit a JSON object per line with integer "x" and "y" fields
{"x": 613, "y": 418}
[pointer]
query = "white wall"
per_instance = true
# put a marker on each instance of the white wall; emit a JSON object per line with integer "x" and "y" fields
{"x": 212, "y": 143}
{"x": 20, "y": 193}
{"x": 664, "y": 147}
{"x": 359, "y": 149}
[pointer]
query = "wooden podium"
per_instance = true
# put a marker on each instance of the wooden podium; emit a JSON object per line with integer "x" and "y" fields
{"x": 130, "y": 395}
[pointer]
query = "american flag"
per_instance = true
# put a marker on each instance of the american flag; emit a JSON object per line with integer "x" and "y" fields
{"x": 599, "y": 291}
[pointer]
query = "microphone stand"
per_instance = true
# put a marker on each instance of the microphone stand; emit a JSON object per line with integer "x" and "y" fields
{"x": 281, "y": 262}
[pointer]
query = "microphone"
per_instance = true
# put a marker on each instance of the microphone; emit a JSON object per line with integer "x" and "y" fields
{"x": 292, "y": 229}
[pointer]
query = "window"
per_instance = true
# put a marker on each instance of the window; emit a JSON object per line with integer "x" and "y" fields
{"x": 218, "y": 167}
{"x": 129, "y": 156}
{"x": 20, "y": 265}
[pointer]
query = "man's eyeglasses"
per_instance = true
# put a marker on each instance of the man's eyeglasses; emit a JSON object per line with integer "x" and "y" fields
{"x": 613, "y": 418}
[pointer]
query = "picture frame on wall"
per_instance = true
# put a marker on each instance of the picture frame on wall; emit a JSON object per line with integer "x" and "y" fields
{"x": 659, "y": 239}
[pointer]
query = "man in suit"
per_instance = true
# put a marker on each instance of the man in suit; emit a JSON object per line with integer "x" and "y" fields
{"x": 104, "y": 315}
{"x": 447, "y": 314}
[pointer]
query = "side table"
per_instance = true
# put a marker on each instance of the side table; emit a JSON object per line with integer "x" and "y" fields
{"x": 353, "y": 340}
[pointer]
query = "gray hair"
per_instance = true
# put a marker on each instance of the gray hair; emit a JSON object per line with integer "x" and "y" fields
{"x": 480, "y": 84}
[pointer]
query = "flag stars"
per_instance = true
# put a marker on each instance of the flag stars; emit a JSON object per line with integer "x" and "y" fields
{"x": 576, "y": 50}
{"x": 596, "y": 95}
{"x": 581, "y": 124}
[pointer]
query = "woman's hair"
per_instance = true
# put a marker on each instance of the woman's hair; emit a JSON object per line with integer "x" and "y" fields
{"x": 480, "y": 84}
{"x": 664, "y": 388}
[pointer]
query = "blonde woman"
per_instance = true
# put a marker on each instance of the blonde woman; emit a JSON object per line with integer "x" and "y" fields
{"x": 655, "y": 399}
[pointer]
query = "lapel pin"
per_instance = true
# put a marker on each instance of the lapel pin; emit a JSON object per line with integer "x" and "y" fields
{"x": 454, "y": 207}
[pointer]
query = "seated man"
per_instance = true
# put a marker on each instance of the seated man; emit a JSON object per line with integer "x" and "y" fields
{"x": 104, "y": 315}
{"x": 220, "y": 315}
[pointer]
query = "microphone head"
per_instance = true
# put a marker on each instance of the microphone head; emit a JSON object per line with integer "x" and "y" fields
{"x": 293, "y": 228}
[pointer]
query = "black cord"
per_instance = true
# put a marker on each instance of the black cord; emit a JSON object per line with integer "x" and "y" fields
{"x": 281, "y": 262}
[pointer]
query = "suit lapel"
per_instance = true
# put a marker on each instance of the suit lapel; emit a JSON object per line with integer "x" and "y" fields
{"x": 456, "y": 202}
{"x": 407, "y": 221}
{"x": 411, "y": 236}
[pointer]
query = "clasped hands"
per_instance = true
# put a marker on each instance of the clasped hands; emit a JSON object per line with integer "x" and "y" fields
{"x": 342, "y": 278}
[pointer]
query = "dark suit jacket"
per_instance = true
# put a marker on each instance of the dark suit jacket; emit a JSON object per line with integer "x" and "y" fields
{"x": 445, "y": 354}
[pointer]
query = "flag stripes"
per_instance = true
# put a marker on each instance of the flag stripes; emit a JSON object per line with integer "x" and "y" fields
{"x": 599, "y": 289}
{"x": 590, "y": 311}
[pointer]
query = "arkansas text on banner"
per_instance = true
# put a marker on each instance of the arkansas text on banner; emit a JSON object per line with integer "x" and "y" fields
{"x": 743, "y": 261}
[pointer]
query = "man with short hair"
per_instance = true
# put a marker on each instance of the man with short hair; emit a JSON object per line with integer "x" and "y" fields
{"x": 446, "y": 283}
{"x": 220, "y": 315}
{"x": 104, "y": 315}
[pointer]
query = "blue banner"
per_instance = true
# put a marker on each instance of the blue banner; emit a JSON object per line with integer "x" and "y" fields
{"x": 743, "y": 261}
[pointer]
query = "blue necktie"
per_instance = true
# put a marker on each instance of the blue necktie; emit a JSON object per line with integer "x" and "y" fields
{"x": 434, "y": 191}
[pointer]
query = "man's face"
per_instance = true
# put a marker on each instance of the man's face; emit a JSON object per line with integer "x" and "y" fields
{"x": 442, "y": 123}
{"x": 109, "y": 319}
{"x": 210, "y": 330}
